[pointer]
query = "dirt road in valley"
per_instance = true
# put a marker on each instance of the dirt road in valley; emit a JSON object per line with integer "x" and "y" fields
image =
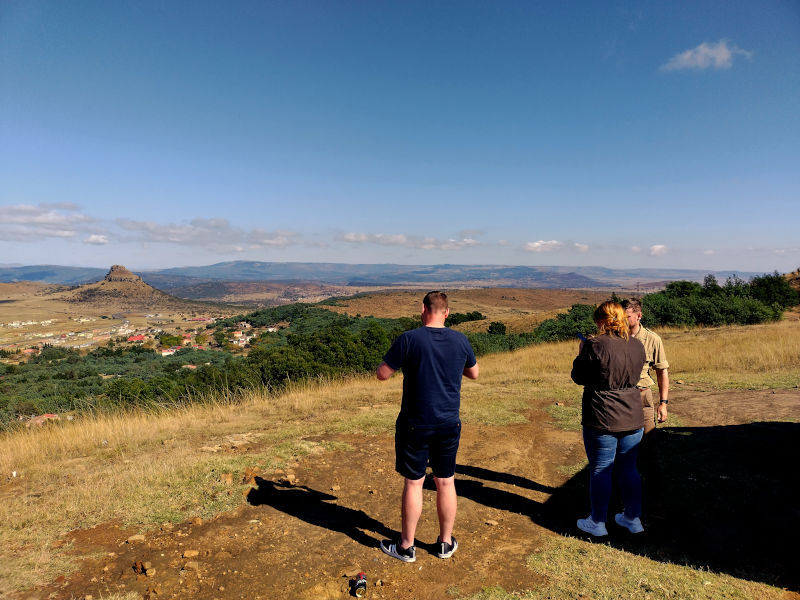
{"x": 305, "y": 532}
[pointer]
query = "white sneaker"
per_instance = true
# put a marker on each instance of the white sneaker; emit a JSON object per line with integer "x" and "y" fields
{"x": 633, "y": 525}
{"x": 591, "y": 527}
{"x": 396, "y": 550}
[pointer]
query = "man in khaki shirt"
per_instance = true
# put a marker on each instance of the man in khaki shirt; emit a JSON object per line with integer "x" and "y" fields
{"x": 656, "y": 359}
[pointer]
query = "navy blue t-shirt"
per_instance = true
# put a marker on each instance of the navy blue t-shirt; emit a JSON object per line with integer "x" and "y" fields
{"x": 433, "y": 360}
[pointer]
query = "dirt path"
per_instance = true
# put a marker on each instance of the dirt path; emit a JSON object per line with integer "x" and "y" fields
{"x": 304, "y": 533}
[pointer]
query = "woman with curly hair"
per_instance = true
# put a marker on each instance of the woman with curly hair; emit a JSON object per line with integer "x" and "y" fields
{"x": 608, "y": 365}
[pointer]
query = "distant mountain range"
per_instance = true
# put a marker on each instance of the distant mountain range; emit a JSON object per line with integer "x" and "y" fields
{"x": 375, "y": 275}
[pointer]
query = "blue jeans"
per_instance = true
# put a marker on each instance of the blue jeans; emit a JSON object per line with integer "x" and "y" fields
{"x": 608, "y": 452}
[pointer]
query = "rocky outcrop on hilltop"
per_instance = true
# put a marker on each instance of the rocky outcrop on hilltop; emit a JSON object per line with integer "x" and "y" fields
{"x": 120, "y": 273}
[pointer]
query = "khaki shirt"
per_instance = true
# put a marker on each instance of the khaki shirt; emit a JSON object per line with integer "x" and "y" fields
{"x": 654, "y": 351}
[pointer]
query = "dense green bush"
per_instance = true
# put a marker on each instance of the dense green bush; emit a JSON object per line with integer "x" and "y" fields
{"x": 565, "y": 326}
{"x": 497, "y": 327}
{"x": 774, "y": 289}
{"x": 688, "y": 303}
{"x": 458, "y": 318}
{"x": 737, "y": 302}
{"x": 489, "y": 343}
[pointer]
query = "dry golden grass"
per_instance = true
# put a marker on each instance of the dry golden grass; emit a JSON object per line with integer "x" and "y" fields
{"x": 756, "y": 356}
{"x": 145, "y": 468}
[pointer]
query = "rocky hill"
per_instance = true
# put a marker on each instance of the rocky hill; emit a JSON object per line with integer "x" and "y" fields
{"x": 124, "y": 290}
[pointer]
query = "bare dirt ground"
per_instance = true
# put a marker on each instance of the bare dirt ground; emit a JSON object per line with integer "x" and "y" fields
{"x": 305, "y": 532}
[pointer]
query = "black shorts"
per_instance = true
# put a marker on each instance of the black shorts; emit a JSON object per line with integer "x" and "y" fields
{"x": 416, "y": 447}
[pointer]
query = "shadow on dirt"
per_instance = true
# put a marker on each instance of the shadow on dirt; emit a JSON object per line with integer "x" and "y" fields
{"x": 509, "y": 478}
{"x": 727, "y": 501}
{"x": 316, "y": 508}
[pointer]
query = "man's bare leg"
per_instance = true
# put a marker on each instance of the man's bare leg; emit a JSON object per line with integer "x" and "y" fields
{"x": 446, "y": 506}
{"x": 410, "y": 510}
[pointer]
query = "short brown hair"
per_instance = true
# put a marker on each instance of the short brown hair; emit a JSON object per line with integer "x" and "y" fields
{"x": 435, "y": 302}
{"x": 610, "y": 318}
{"x": 633, "y": 303}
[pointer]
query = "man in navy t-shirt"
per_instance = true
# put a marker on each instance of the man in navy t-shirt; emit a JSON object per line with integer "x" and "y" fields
{"x": 428, "y": 429}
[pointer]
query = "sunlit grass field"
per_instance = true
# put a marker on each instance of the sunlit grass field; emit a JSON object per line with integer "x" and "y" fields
{"x": 142, "y": 468}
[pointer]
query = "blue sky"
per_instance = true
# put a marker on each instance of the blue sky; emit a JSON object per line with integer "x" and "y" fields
{"x": 623, "y": 134}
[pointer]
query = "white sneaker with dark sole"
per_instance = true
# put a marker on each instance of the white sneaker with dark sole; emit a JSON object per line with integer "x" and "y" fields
{"x": 446, "y": 550}
{"x": 393, "y": 549}
{"x": 592, "y": 527}
{"x": 633, "y": 525}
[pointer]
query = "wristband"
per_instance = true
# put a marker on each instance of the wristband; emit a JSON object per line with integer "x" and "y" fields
{"x": 664, "y": 402}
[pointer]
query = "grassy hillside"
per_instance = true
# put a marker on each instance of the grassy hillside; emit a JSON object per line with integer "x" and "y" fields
{"x": 143, "y": 469}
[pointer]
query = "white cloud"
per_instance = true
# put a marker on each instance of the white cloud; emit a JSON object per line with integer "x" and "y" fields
{"x": 707, "y": 55}
{"x": 636, "y": 249}
{"x": 215, "y": 233}
{"x": 658, "y": 250}
{"x": 408, "y": 241}
{"x": 709, "y": 252}
{"x": 555, "y": 246}
{"x": 258, "y": 238}
{"x": 28, "y": 223}
{"x": 544, "y": 246}
{"x": 97, "y": 239}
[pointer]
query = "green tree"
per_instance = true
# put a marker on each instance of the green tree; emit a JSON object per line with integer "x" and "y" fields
{"x": 497, "y": 328}
{"x": 710, "y": 286}
{"x": 774, "y": 289}
{"x": 682, "y": 289}
{"x": 565, "y": 326}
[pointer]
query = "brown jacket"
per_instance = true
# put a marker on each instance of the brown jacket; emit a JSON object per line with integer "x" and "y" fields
{"x": 609, "y": 368}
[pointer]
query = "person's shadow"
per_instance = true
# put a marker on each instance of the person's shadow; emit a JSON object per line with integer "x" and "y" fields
{"x": 478, "y": 491}
{"x": 316, "y": 508}
{"x": 727, "y": 501}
